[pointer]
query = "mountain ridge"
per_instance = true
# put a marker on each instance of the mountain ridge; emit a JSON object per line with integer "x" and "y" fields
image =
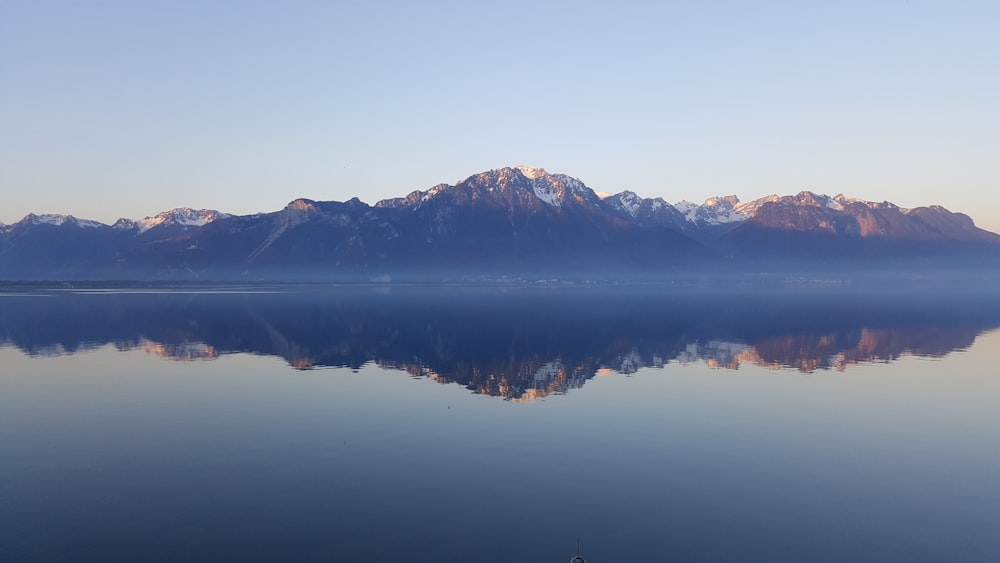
{"x": 506, "y": 220}
{"x": 730, "y": 207}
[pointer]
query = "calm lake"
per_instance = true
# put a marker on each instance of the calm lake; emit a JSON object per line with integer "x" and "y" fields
{"x": 799, "y": 422}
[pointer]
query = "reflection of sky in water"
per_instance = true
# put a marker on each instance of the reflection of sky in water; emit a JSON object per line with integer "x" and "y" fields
{"x": 118, "y": 454}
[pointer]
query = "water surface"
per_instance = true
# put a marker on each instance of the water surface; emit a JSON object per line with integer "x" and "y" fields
{"x": 413, "y": 424}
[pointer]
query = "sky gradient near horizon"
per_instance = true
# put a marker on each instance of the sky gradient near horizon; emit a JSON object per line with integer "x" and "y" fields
{"x": 115, "y": 109}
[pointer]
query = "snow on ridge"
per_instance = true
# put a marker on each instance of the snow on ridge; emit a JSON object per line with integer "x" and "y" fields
{"x": 50, "y": 219}
{"x": 749, "y": 208}
{"x": 572, "y": 184}
{"x": 844, "y": 200}
{"x": 837, "y": 203}
{"x": 184, "y": 216}
{"x": 817, "y": 200}
{"x": 89, "y": 224}
{"x": 124, "y": 224}
{"x": 689, "y": 209}
{"x": 59, "y": 220}
{"x": 148, "y": 223}
{"x": 433, "y": 192}
{"x": 531, "y": 172}
{"x": 722, "y": 201}
{"x": 718, "y": 210}
{"x": 631, "y": 203}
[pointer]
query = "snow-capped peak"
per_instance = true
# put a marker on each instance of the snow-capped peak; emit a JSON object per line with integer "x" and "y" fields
{"x": 717, "y": 210}
{"x": 58, "y": 220}
{"x": 531, "y": 172}
{"x": 817, "y": 200}
{"x": 184, "y": 216}
{"x": 553, "y": 188}
{"x": 729, "y": 201}
{"x": 124, "y": 224}
{"x": 48, "y": 219}
{"x": 541, "y": 184}
{"x": 629, "y": 202}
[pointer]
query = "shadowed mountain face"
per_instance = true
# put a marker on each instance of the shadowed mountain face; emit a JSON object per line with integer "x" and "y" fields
{"x": 518, "y": 345}
{"x": 509, "y": 222}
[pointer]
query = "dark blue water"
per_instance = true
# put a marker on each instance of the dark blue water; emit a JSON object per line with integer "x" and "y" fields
{"x": 336, "y": 424}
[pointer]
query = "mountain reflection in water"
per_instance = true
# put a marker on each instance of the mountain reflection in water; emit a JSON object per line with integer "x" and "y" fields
{"x": 518, "y": 344}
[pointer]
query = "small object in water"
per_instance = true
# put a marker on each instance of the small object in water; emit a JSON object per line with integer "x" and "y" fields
{"x": 578, "y": 558}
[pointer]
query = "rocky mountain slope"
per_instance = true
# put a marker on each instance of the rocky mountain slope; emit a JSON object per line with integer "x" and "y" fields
{"x": 513, "y": 221}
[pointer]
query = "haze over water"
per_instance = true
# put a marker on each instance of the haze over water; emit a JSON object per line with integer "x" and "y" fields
{"x": 394, "y": 424}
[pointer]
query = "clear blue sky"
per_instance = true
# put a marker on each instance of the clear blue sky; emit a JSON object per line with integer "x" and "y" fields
{"x": 124, "y": 109}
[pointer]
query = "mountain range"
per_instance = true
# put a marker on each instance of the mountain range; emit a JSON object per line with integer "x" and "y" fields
{"x": 508, "y": 223}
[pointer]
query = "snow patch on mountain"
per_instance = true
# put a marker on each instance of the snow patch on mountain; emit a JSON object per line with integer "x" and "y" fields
{"x": 817, "y": 200}
{"x": 843, "y": 201}
{"x": 553, "y": 189}
{"x": 547, "y": 193}
{"x": 750, "y": 208}
{"x": 125, "y": 224}
{"x": 48, "y": 219}
{"x": 720, "y": 210}
{"x": 433, "y": 192}
{"x": 531, "y": 172}
{"x": 59, "y": 220}
{"x": 630, "y": 202}
{"x": 184, "y": 216}
{"x": 689, "y": 209}
{"x": 573, "y": 185}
